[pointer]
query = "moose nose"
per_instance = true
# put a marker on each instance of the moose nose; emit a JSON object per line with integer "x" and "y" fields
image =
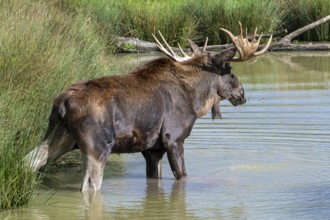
{"x": 243, "y": 100}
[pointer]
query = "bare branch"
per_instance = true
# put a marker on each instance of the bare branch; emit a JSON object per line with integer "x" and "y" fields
{"x": 287, "y": 39}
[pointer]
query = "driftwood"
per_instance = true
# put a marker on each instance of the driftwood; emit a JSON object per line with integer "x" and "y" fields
{"x": 297, "y": 47}
{"x": 288, "y": 38}
{"x": 134, "y": 45}
{"x": 284, "y": 44}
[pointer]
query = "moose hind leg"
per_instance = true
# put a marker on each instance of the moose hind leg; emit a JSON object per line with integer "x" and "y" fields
{"x": 153, "y": 162}
{"x": 93, "y": 178}
{"x": 95, "y": 147}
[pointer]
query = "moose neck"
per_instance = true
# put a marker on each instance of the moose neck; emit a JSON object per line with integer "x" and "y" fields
{"x": 206, "y": 94}
{"x": 202, "y": 85}
{"x": 198, "y": 87}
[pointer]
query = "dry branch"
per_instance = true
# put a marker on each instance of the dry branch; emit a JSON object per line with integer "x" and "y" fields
{"x": 136, "y": 45}
{"x": 288, "y": 38}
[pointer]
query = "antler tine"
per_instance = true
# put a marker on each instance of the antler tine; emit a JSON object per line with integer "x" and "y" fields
{"x": 254, "y": 34}
{"x": 235, "y": 41}
{"x": 182, "y": 52}
{"x": 241, "y": 30}
{"x": 246, "y": 35}
{"x": 168, "y": 50}
{"x": 166, "y": 44}
{"x": 162, "y": 48}
{"x": 258, "y": 41}
{"x": 265, "y": 48}
{"x": 205, "y": 44}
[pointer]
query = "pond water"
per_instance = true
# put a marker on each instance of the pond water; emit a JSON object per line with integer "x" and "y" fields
{"x": 267, "y": 159}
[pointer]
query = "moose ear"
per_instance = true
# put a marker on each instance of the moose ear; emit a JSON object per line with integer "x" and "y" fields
{"x": 224, "y": 55}
{"x": 195, "y": 49}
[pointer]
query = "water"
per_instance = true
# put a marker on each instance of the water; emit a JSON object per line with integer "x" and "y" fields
{"x": 267, "y": 159}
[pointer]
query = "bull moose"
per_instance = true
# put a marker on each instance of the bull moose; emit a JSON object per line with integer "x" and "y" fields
{"x": 151, "y": 110}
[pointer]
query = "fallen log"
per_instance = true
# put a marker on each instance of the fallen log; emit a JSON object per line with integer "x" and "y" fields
{"x": 299, "y": 47}
{"x": 134, "y": 45}
{"x": 288, "y": 38}
{"x": 285, "y": 42}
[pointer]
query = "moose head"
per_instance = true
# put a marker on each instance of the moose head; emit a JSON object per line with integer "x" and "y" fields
{"x": 219, "y": 63}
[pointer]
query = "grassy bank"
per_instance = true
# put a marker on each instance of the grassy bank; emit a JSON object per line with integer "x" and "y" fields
{"x": 47, "y": 45}
{"x": 196, "y": 19}
{"x": 304, "y": 12}
{"x": 179, "y": 20}
{"x": 42, "y": 50}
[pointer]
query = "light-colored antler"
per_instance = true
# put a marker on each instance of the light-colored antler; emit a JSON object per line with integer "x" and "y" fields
{"x": 247, "y": 49}
{"x": 205, "y": 44}
{"x": 168, "y": 50}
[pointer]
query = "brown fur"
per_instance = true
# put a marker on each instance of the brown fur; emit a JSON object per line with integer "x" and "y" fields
{"x": 150, "y": 110}
{"x": 92, "y": 95}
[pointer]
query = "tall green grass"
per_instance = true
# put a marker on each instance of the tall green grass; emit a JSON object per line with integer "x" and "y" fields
{"x": 179, "y": 20}
{"x": 196, "y": 19}
{"x": 42, "y": 50}
{"x": 136, "y": 18}
{"x": 304, "y": 12}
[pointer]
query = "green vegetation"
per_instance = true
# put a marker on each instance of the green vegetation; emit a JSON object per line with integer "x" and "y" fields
{"x": 179, "y": 20}
{"x": 42, "y": 50}
{"x": 17, "y": 182}
{"x": 196, "y": 19}
{"x": 129, "y": 47}
{"x": 46, "y": 45}
{"x": 304, "y": 12}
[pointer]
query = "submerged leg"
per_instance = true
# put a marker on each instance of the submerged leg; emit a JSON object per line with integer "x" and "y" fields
{"x": 175, "y": 155}
{"x": 94, "y": 169}
{"x": 153, "y": 162}
{"x": 95, "y": 149}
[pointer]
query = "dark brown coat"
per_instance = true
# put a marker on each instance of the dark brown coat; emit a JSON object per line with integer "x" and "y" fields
{"x": 151, "y": 110}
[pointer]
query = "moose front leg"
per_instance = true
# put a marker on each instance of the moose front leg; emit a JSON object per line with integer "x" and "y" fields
{"x": 153, "y": 162}
{"x": 175, "y": 155}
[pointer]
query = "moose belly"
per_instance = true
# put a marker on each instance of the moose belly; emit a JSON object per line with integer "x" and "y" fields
{"x": 135, "y": 142}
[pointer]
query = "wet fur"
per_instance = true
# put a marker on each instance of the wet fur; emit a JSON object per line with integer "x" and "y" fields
{"x": 150, "y": 110}
{"x": 93, "y": 100}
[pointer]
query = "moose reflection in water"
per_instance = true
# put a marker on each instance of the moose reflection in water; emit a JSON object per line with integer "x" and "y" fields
{"x": 151, "y": 110}
{"x": 155, "y": 197}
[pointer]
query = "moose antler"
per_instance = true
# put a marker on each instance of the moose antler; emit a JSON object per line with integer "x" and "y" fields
{"x": 168, "y": 50}
{"x": 247, "y": 49}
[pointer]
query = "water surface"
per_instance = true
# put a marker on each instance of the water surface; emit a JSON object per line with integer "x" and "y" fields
{"x": 267, "y": 159}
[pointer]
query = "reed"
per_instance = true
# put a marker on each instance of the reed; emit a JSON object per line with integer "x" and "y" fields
{"x": 179, "y": 20}
{"x": 196, "y": 19}
{"x": 42, "y": 50}
{"x": 304, "y": 12}
{"x": 136, "y": 18}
